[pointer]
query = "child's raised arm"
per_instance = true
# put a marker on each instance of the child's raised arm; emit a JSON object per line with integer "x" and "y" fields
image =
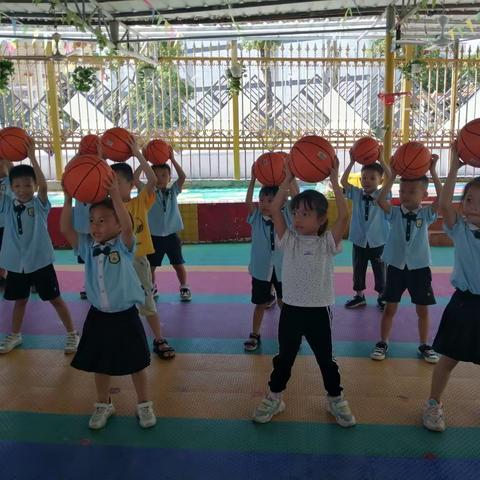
{"x": 341, "y": 223}
{"x": 41, "y": 182}
{"x": 249, "y": 196}
{"x": 178, "y": 169}
{"x": 436, "y": 182}
{"x": 145, "y": 166}
{"x": 66, "y": 221}
{"x": 382, "y": 201}
{"x": 387, "y": 171}
{"x": 279, "y": 201}
{"x": 346, "y": 173}
{"x": 124, "y": 218}
{"x": 446, "y": 196}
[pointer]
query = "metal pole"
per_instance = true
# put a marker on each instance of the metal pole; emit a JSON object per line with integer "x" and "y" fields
{"x": 53, "y": 113}
{"x": 235, "y": 120}
{"x": 453, "y": 98}
{"x": 406, "y": 102}
{"x": 388, "y": 87}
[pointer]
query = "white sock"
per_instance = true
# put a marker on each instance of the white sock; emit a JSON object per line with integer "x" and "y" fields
{"x": 274, "y": 395}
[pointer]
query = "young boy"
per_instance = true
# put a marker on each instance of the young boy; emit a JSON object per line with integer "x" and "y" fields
{"x": 407, "y": 254}
{"x": 165, "y": 221}
{"x": 27, "y": 251}
{"x": 5, "y": 195}
{"x": 265, "y": 265}
{"x": 368, "y": 231}
{"x": 138, "y": 208}
{"x": 81, "y": 224}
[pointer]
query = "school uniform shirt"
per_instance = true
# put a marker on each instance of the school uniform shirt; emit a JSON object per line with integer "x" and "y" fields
{"x": 264, "y": 255}
{"x": 407, "y": 244}
{"x": 466, "y": 265}
{"x": 307, "y": 273}
{"x": 26, "y": 246}
{"x": 164, "y": 217}
{"x": 81, "y": 217}
{"x": 111, "y": 282}
{"x": 5, "y": 195}
{"x": 138, "y": 208}
{"x": 368, "y": 224}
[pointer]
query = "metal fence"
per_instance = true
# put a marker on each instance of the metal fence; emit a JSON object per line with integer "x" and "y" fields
{"x": 288, "y": 90}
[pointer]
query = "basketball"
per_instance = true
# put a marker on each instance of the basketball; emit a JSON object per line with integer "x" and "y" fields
{"x": 85, "y": 177}
{"x": 115, "y": 144}
{"x": 269, "y": 168}
{"x": 12, "y": 144}
{"x": 412, "y": 160}
{"x": 468, "y": 143}
{"x": 89, "y": 145}
{"x": 365, "y": 150}
{"x": 312, "y": 158}
{"x": 157, "y": 152}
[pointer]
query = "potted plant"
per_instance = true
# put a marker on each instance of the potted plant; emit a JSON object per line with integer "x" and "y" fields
{"x": 6, "y": 71}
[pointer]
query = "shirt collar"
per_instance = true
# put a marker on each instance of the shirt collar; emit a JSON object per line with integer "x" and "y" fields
{"x": 473, "y": 227}
{"x": 406, "y": 210}
{"x": 16, "y": 203}
{"x": 110, "y": 242}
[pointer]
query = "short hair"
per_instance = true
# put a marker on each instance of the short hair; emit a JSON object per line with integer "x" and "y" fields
{"x": 312, "y": 200}
{"x": 423, "y": 180}
{"x": 108, "y": 203}
{"x": 20, "y": 171}
{"x": 373, "y": 167}
{"x": 124, "y": 170}
{"x": 163, "y": 166}
{"x": 268, "y": 191}
{"x": 475, "y": 182}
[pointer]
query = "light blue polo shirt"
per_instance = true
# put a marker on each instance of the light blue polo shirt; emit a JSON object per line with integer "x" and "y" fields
{"x": 164, "y": 217}
{"x": 81, "y": 217}
{"x": 414, "y": 253}
{"x": 262, "y": 258}
{"x": 5, "y": 195}
{"x": 466, "y": 265}
{"x": 26, "y": 246}
{"x": 373, "y": 231}
{"x": 111, "y": 282}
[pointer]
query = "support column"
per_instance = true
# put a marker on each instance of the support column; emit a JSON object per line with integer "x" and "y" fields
{"x": 406, "y": 101}
{"x": 453, "y": 98}
{"x": 235, "y": 120}
{"x": 389, "y": 80}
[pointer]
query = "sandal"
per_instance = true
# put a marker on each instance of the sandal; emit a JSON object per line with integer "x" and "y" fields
{"x": 163, "y": 349}
{"x": 253, "y": 342}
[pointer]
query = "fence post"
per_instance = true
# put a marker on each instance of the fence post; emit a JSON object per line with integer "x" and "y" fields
{"x": 388, "y": 87}
{"x": 235, "y": 120}
{"x": 406, "y": 102}
{"x": 453, "y": 98}
{"x": 53, "y": 113}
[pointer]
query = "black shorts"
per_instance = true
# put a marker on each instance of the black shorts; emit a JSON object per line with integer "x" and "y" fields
{"x": 171, "y": 245}
{"x": 1, "y": 237}
{"x": 262, "y": 289}
{"x": 418, "y": 282}
{"x": 44, "y": 280}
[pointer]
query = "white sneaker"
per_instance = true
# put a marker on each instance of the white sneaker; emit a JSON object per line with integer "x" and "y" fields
{"x": 267, "y": 409}
{"x": 11, "y": 341}
{"x": 185, "y": 294}
{"x": 433, "y": 418}
{"x": 340, "y": 409}
{"x": 71, "y": 342}
{"x": 103, "y": 411}
{"x": 146, "y": 415}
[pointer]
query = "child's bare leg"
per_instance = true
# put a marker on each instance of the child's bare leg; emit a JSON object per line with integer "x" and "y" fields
{"x": 423, "y": 323}
{"x": 3, "y": 273}
{"x": 258, "y": 313}
{"x": 387, "y": 320}
{"x": 141, "y": 385}
{"x": 152, "y": 269}
{"x": 102, "y": 384}
{"x": 63, "y": 312}
{"x": 181, "y": 273}
{"x": 18, "y": 314}
{"x": 441, "y": 375}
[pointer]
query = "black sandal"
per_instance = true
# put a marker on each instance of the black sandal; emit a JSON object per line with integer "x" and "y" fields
{"x": 163, "y": 349}
{"x": 253, "y": 342}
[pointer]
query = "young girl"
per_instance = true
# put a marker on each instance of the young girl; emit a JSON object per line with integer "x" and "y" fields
{"x": 307, "y": 275}
{"x": 113, "y": 340}
{"x": 458, "y": 337}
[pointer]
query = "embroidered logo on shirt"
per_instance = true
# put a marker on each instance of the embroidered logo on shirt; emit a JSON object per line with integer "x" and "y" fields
{"x": 114, "y": 257}
{"x": 419, "y": 222}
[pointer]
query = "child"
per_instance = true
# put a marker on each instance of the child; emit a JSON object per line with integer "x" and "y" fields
{"x": 5, "y": 195}
{"x": 265, "y": 265}
{"x": 138, "y": 208}
{"x": 368, "y": 231}
{"x": 307, "y": 278}
{"x": 113, "y": 340}
{"x": 407, "y": 254}
{"x": 458, "y": 337}
{"x": 165, "y": 221}
{"x": 27, "y": 251}
{"x": 81, "y": 223}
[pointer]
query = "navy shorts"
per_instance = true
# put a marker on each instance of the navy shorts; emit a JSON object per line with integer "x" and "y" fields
{"x": 262, "y": 289}
{"x": 418, "y": 282}
{"x": 171, "y": 245}
{"x": 45, "y": 281}
{"x": 1, "y": 236}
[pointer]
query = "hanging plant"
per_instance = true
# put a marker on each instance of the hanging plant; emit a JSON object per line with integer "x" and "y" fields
{"x": 6, "y": 71}
{"x": 234, "y": 76}
{"x": 83, "y": 78}
{"x": 414, "y": 68}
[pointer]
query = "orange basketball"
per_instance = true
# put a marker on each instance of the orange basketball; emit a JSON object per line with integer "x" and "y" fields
{"x": 89, "y": 145}
{"x": 412, "y": 160}
{"x": 311, "y": 158}
{"x": 366, "y": 150}
{"x": 157, "y": 152}
{"x": 85, "y": 177}
{"x": 468, "y": 143}
{"x": 269, "y": 168}
{"x": 115, "y": 144}
{"x": 12, "y": 144}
